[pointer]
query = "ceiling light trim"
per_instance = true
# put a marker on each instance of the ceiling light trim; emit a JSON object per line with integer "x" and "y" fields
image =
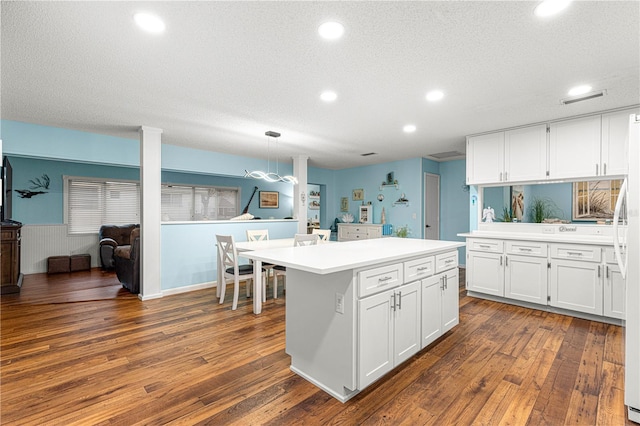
{"x": 584, "y": 97}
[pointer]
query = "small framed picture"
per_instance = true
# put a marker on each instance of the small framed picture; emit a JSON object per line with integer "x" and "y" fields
{"x": 390, "y": 178}
{"x": 269, "y": 199}
{"x": 344, "y": 204}
{"x": 357, "y": 194}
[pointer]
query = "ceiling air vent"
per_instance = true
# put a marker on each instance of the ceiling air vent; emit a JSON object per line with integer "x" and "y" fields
{"x": 445, "y": 155}
{"x": 366, "y": 154}
{"x": 583, "y": 97}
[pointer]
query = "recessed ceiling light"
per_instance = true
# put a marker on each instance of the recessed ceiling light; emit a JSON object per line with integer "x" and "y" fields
{"x": 551, "y": 7}
{"x": 435, "y": 95}
{"x": 149, "y": 22}
{"x": 331, "y": 30}
{"x": 579, "y": 90}
{"x": 328, "y": 96}
{"x": 409, "y": 128}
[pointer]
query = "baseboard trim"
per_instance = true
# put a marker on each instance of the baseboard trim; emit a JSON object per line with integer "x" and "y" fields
{"x": 188, "y": 288}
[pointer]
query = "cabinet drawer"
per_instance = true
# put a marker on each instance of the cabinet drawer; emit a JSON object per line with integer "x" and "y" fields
{"x": 493, "y": 246}
{"x": 375, "y": 280}
{"x": 374, "y": 232}
{"x": 446, "y": 261}
{"x": 610, "y": 256}
{"x": 576, "y": 252}
{"x": 527, "y": 248}
{"x": 419, "y": 268}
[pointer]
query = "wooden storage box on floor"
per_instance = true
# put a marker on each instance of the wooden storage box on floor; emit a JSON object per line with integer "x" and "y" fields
{"x": 57, "y": 264}
{"x": 80, "y": 262}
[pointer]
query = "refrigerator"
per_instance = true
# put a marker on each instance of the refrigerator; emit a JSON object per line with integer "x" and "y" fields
{"x": 627, "y": 249}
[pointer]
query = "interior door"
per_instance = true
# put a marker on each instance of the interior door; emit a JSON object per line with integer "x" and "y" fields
{"x": 431, "y": 206}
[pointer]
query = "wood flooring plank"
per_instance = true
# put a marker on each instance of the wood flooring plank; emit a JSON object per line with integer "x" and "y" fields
{"x": 186, "y": 359}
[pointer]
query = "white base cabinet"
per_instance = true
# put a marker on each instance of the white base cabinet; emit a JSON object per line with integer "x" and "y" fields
{"x": 358, "y": 231}
{"x": 573, "y": 277}
{"x": 395, "y": 323}
{"x": 440, "y": 312}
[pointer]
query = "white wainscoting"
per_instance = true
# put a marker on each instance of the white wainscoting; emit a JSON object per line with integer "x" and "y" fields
{"x": 41, "y": 241}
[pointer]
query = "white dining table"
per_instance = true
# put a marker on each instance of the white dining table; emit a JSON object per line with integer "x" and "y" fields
{"x": 247, "y": 246}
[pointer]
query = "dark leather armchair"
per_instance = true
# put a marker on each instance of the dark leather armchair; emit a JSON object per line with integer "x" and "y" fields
{"x": 112, "y": 236}
{"x": 127, "y": 262}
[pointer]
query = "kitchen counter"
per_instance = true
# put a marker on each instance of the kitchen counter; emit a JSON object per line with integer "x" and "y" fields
{"x": 326, "y": 285}
{"x": 566, "y": 237}
{"x": 326, "y": 259}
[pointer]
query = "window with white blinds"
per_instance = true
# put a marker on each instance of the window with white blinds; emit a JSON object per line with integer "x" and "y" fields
{"x": 93, "y": 202}
{"x": 199, "y": 203}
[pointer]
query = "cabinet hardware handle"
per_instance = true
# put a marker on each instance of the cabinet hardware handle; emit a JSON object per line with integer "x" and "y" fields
{"x": 385, "y": 279}
{"x": 422, "y": 268}
{"x": 484, "y": 245}
{"x": 446, "y": 281}
{"x": 524, "y": 249}
{"x": 500, "y": 176}
{"x": 400, "y": 300}
{"x": 506, "y": 176}
{"x": 442, "y": 283}
{"x": 448, "y": 261}
{"x": 393, "y": 305}
{"x": 607, "y": 271}
{"x": 500, "y": 260}
{"x": 598, "y": 271}
{"x": 604, "y": 169}
{"x": 506, "y": 261}
{"x": 574, "y": 253}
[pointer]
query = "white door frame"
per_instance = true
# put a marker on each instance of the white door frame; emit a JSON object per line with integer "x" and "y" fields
{"x": 429, "y": 198}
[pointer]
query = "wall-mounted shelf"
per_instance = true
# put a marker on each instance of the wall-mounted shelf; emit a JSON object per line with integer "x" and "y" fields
{"x": 387, "y": 185}
{"x": 401, "y": 203}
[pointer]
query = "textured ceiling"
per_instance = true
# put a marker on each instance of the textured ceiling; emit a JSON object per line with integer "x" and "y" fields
{"x": 223, "y": 73}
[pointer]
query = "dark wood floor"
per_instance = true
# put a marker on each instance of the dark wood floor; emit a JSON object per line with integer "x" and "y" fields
{"x": 185, "y": 359}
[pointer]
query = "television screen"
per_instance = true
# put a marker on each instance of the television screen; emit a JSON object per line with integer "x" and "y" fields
{"x": 7, "y": 173}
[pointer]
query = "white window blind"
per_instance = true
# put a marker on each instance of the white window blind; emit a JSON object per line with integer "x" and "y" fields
{"x": 94, "y": 202}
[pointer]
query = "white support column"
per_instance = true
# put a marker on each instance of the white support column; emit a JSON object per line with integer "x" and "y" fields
{"x": 300, "y": 196}
{"x": 150, "y": 214}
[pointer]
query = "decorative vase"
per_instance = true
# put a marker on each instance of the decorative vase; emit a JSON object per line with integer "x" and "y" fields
{"x": 383, "y": 217}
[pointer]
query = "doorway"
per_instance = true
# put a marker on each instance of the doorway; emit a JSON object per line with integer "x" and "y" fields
{"x": 431, "y": 206}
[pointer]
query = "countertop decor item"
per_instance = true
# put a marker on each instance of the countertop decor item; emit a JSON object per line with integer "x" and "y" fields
{"x": 347, "y": 218}
{"x": 403, "y": 231}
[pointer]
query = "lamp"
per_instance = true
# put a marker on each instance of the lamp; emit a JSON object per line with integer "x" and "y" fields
{"x": 270, "y": 176}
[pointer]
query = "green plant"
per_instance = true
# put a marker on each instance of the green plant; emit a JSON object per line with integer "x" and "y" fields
{"x": 541, "y": 209}
{"x": 506, "y": 215}
{"x": 403, "y": 231}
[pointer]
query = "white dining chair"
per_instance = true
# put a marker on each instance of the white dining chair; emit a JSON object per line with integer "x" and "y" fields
{"x": 261, "y": 235}
{"x": 228, "y": 261}
{"x": 323, "y": 234}
{"x": 298, "y": 240}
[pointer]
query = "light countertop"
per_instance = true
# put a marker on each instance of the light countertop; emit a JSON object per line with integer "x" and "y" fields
{"x": 550, "y": 238}
{"x": 330, "y": 258}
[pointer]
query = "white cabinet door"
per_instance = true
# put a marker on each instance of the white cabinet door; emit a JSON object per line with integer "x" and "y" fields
{"x": 614, "y": 292}
{"x": 525, "y": 154}
{"x": 432, "y": 289}
{"x": 615, "y": 135}
{"x": 574, "y": 148}
{"x": 375, "y": 331}
{"x": 526, "y": 278}
{"x": 407, "y": 322}
{"x": 450, "y": 303}
{"x": 576, "y": 286}
{"x": 485, "y": 158}
{"x": 485, "y": 273}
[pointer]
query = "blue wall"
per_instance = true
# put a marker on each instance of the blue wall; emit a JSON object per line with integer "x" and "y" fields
{"x": 36, "y": 150}
{"x": 454, "y": 203}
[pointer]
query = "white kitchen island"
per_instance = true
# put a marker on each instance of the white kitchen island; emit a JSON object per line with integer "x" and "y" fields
{"x": 357, "y": 309}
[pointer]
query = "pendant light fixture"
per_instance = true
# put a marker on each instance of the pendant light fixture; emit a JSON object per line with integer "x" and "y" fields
{"x": 270, "y": 176}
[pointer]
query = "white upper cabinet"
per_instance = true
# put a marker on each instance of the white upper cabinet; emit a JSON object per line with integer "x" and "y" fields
{"x": 511, "y": 156}
{"x": 525, "y": 154}
{"x": 485, "y": 158}
{"x": 615, "y": 135}
{"x": 574, "y": 148}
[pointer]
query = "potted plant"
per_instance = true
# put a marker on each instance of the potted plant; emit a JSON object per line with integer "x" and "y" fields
{"x": 403, "y": 231}
{"x": 541, "y": 209}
